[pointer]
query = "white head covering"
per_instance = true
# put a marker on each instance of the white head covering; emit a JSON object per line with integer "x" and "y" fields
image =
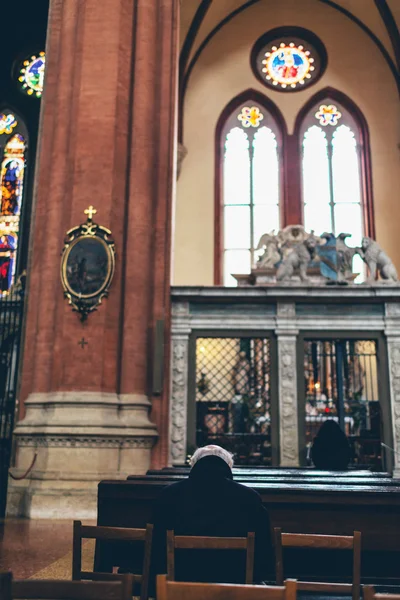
{"x": 212, "y": 451}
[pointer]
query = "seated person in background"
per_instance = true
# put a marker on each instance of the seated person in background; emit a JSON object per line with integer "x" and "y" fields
{"x": 330, "y": 450}
{"x": 210, "y": 503}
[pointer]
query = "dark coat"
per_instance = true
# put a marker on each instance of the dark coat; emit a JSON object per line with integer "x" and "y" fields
{"x": 210, "y": 503}
{"x": 330, "y": 450}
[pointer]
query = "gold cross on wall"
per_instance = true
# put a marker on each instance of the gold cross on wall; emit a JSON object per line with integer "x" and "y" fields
{"x": 90, "y": 212}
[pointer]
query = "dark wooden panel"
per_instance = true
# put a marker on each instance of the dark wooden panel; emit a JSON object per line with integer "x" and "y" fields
{"x": 298, "y": 501}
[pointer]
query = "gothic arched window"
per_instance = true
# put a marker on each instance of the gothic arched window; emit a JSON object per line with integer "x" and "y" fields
{"x": 249, "y": 195}
{"x": 333, "y": 173}
{"x": 13, "y": 147}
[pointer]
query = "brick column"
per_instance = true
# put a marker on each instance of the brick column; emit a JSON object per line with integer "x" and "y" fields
{"x": 148, "y": 238}
{"x": 107, "y": 139}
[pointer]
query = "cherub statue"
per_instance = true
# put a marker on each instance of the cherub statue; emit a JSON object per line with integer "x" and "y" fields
{"x": 269, "y": 244}
{"x": 377, "y": 261}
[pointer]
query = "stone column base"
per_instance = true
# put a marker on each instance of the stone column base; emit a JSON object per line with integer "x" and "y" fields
{"x": 79, "y": 439}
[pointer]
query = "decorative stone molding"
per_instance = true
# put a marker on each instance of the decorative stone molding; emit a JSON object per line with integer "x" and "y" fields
{"x": 288, "y": 421}
{"x": 179, "y": 396}
{"x": 392, "y": 309}
{"x": 77, "y": 438}
{"x": 286, "y": 310}
{"x": 393, "y": 345}
{"x": 83, "y": 442}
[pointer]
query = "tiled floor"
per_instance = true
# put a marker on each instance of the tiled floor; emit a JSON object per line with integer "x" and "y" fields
{"x": 27, "y": 547}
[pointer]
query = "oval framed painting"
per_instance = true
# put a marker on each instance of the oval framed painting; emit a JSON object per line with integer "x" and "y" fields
{"x": 87, "y": 266}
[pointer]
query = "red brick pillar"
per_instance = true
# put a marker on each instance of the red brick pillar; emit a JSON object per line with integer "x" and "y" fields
{"x": 152, "y": 178}
{"x": 107, "y": 139}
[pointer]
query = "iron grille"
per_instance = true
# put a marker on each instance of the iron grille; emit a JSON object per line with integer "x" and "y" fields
{"x": 233, "y": 396}
{"x": 341, "y": 383}
{"x": 11, "y": 312}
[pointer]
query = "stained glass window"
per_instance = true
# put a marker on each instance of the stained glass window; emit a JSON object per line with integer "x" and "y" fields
{"x": 332, "y": 190}
{"x": 328, "y": 115}
{"x": 288, "y": 65}
{"x": 13, "y": 149}
{"x": 251, "y": 190}
{"x": 32, "y": 75}
{"x": 7, "y": 123}
{"x": 288, "y": 59}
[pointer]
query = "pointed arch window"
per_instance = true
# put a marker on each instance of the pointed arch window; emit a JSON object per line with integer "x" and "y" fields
{"x": 333, "y": 181}
{"x": 13, "y": 149}
{"x": 250, "y": 148}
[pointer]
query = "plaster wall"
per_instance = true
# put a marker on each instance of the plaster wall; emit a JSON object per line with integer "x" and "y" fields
{"x": 355, "y": 67}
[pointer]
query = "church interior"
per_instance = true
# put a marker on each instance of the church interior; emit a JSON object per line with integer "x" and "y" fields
{"x": 199, "y": 225}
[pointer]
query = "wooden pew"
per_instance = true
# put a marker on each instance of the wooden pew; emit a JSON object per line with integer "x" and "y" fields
{"x": 298, "y": 500}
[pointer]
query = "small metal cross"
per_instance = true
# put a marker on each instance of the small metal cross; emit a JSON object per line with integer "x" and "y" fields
{"x": 82, "y": 343}
{"x": 90, "y": 212}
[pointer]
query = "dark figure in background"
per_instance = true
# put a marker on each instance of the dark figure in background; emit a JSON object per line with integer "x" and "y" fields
{"x": 330, "y": 450}
{"x": 210, "y": 503}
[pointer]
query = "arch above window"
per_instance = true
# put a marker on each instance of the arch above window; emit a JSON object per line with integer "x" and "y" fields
{"x": 265, "y": 179}
{"x": 249, "y": 139}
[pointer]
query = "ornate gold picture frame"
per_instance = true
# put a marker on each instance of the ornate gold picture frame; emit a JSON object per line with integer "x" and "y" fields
{"x": 87, "y": 265}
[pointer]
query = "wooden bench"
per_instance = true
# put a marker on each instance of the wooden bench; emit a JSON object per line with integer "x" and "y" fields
{"x": 300, "y": 501}
{"x": 172, "y": 590}
{"x": 112, "y": 534}
{"x": 186, "y": 542}
{"x": 31, "y": 589}
{"x": 321, "y": 542}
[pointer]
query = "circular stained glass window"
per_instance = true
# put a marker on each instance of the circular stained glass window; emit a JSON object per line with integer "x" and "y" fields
{"x": 31, "y": 75}
{"x": 288, "y": 59}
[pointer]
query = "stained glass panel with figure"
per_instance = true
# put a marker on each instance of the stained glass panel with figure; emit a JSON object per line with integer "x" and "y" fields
{"x": 12, "y": 172}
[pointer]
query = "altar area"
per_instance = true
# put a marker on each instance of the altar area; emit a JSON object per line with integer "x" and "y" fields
{"x": 259, "y": 369}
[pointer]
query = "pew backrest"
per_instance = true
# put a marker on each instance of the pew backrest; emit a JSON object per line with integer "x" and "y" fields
{"x": 326, "y": 542}
{"x": 32, "y": 589}
{"x": 185, "y": 542}
{"x": 173, "y": 590}
{"x": 125, "y": 534}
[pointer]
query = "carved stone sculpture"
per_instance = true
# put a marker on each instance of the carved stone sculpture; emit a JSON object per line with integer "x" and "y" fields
{"x": 336, "y": 258}
{"x": 378, "y": 262}
{"x": 298, "y": 258}
{"x": 269, "y": 243}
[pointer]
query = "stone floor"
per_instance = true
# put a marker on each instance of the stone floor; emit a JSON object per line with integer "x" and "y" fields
{"x": 37, "y": 548}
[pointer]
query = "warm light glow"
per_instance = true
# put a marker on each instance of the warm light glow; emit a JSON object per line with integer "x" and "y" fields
{"x": 250, "y": 195}
{"x": 7, "y": 123}
{"x": 250, "y": 117}
{"x": 12, "y": 179}
{"x": 287, "y": 65}
{"x": 32, "y": 75}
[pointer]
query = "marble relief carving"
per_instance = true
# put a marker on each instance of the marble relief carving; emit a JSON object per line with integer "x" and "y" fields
{"x": 394, "y": 368}
{"x": 288, "y": 400}
{"x": 179, "y": 393}
{"x": 84, "y": 442}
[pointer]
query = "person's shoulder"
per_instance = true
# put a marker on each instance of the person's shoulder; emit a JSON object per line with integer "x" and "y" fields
{"x": 244, "y": 492}
{"x": 174, "y": 488}
{"x": 168, "y": 497}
